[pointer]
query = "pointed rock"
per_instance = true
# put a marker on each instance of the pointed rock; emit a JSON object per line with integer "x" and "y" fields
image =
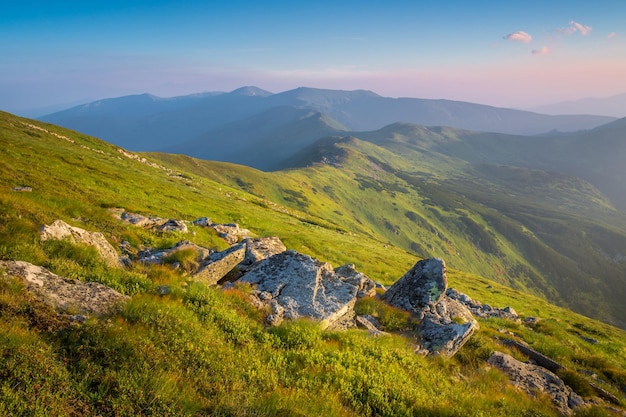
{"x": 60, "y": 230}
{"x": 422, "y": 285}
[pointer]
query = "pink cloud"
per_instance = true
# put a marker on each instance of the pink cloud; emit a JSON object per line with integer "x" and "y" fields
{"x": 519, "y": 36}
{"x": 576, "y": 27}
{"x": 544, "y": 50}
{"x": 611, "y": 35}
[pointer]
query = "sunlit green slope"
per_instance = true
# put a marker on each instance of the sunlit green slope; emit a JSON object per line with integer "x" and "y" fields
{"x": 544, "y": 232}
{"x": 205, "y": 351}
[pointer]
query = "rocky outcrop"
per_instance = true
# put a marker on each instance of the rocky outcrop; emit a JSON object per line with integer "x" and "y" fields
{"x": 295, "y": 285}
{"x": 446, "y": 324}
{"x": 60, "y": 230}
{"x": 63, "y": 294}
{"x": 532, "y": 378}
{"x": 482, "y": 310}
{"x": 218, "y": 264}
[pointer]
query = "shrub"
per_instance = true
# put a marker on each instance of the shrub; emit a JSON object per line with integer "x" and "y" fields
{"x": 391, "y": 319}
{"x": 186, "y": 258}
{"x": 298, "y": 334}
{"x": 576, "y": 382}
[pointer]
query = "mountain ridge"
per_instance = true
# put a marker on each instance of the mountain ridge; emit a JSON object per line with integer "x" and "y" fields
{"x": 184, "y": 118}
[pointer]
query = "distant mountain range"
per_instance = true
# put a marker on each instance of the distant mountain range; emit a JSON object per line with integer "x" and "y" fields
{"x": 199, "y": 124}
{"x": 607, "y": 106}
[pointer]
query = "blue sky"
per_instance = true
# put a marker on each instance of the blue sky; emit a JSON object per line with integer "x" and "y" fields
{"x": 515, "y": 54}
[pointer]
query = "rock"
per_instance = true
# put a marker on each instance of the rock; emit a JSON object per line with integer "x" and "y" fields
{"x": 203, "y": 222}
{"x": 150, "y": 256}
{"x": 604, "y": 394}
{"x": 139, "y": 220}
{"x": 62, "y": 293}
{"x": 446, "y": 324}
{"x": 157, "y": 223}
{"x": 365, "y": 286}
{"x": 173, "y": 226}
{"x": 482, "y": 310}
{"x": 422, "y": 285}
{"x": 371, "y": 324}
{"x": 261, "y": 248}
{"x": 538, "y": 358}
{"x": 303, "y": 287}
{"x": 531, "y": 321}
{"x": 218, "y": 264}
{"x": 231, "y": 233}
{"x": 60, "y": 230}
{"x": 22, "y": 189}
{"x": 532, "y": 378}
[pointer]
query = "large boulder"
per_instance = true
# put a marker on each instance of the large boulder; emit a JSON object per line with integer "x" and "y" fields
{"x": 60, "y": 230}
{"x": 532, "y": 379}
{"x": 64, "y": 294}
{"x": 219, "y": 264}
{"x": 295, "y": 285}
{"x": 446, "y": 324}
{"x": 421, "y": 286}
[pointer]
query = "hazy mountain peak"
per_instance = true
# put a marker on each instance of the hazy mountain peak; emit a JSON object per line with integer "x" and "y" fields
{"x": 251, "y": 91}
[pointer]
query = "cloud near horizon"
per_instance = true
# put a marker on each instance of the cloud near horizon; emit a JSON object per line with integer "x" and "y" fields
{"x": 519, "y": 36}
{"x": 544, "y": 50}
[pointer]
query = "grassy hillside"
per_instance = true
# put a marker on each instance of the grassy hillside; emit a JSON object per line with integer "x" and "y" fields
{"x": 544, "y": 232}
{"x": 205, "y": 351}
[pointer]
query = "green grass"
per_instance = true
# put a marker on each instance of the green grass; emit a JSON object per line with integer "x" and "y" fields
{"x": 205, "y": 351}
{"x": 542, "y": 232}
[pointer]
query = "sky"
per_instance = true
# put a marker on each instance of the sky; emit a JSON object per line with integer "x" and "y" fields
{"x": 517, "y": 54}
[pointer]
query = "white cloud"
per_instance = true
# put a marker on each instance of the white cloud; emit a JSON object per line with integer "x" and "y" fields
{"x": 574, "y": 27}
{"x": 544, "y": 50}
{"x": 519, "y": 36}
